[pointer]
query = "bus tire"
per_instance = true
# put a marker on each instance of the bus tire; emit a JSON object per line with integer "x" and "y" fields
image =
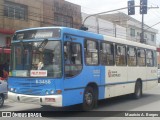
{"x": 88, "y": 99}
{"x": 1, "y": 100}
{"x": 138, "y": 90}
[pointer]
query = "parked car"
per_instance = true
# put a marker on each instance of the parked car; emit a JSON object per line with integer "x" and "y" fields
{"x": 158, "y": 74}
{"x": 3, "y": 92}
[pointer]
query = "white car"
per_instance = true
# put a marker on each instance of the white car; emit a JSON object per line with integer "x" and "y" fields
{"x": 3, "y": 91}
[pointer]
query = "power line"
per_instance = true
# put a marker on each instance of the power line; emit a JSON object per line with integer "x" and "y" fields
{"x": 153, "y": 25}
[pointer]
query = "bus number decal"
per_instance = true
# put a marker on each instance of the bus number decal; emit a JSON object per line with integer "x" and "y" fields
{"x": 43, "y": 81}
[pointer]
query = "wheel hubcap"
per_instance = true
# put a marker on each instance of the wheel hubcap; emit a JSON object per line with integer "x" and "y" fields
{"x": 88, "y": 98}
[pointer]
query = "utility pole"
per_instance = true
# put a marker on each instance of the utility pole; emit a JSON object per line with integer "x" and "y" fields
{"x": 142, "y": 31}
{"x": 97, "y": 24}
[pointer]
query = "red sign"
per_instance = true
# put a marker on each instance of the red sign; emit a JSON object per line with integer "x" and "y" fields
{"x": 5, "y": 50}
{"x": 40, "y": 73}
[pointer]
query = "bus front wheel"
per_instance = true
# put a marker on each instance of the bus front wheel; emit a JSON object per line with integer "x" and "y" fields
{"x": 138, "y": 90}
{"x": 88, "y": 99}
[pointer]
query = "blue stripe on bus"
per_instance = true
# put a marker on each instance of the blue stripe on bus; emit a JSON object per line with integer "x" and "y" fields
{"x": 117, "y": 83}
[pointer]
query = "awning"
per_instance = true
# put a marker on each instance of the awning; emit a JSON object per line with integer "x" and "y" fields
{"x": 6, "y": 31}
{"x": 5, "y": 50}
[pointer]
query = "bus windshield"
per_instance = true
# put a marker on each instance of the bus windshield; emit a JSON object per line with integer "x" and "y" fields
{"x": 36, "y": 59}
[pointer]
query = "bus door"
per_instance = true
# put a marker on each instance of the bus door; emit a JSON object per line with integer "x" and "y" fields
{"x": 73, "y": 65}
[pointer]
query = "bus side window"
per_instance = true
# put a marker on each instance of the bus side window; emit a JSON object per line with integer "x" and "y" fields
{"x": 91, "y": 52}
{"x": 149, "y": 58}
{"x": 107, "y": 53}
{"x": 120, "y": 55}
{"x": 155, "y": 58}
{"x": 141, "y": 57}
{"x": 131, "y": 57}
{"x": 72, "y": 58}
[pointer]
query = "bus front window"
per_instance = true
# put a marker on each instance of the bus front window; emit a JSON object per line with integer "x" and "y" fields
{"x": 33, "y": 59}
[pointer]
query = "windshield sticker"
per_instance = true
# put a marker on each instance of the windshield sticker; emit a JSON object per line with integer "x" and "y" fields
{"x": 38, "y": 73}
{"x": 22, "y": 73}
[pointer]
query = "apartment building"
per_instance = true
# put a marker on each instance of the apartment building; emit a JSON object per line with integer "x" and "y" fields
{"x": 20, "y": 14}
{"x": 133, "y": 28}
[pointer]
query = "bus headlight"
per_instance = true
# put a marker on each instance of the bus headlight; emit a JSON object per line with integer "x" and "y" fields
{"x": 12, "y": 89}
{"x": 52, "y": 91}
{"x": 47, "y": 92}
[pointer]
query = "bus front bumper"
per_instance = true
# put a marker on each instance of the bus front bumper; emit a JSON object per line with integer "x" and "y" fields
{"x": 51, "y": 100}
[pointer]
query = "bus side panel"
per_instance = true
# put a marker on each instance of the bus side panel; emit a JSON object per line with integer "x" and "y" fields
{"x": 152, "y": 79}
{"x": 116, "y": 81}
{"x": 74, "y": 87}
{"x": 72, "y": 96}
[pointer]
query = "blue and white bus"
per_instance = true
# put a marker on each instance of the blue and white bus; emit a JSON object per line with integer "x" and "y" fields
{"x": 61, "y": 66}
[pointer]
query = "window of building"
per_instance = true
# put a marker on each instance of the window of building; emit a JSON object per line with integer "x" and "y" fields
{"x": 91, "y": 52}
{"x": 141, "y": 57}
{"x": 149, "y": 58}
{"x": 107, "y": 54}
{"x": 145, "y": 35}
{"x": 132, "y": 32}
{"x": 63, "y": 20}
{"x": 120, "y": 55}
{"x": 131, "y": 57}
{"x": 72, "y": 58}
{"x": 152, "y": 38}
{"x": 138, "y": 34}
{"x": 15, "y": 11}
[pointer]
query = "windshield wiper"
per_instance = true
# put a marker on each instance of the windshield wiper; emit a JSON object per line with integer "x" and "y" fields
{"x": 42, "y": 45}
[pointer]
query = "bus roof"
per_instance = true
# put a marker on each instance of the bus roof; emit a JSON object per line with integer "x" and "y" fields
{"x": 128, "y": 42}
{"x": 72, "y": 31}
{"x": 91, "y": 35}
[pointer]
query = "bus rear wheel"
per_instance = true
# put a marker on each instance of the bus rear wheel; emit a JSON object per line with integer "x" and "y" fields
{"x": 138, "y": 90}
{"x": 88, "y": 99}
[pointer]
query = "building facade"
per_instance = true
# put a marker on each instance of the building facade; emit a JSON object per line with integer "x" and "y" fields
{"x": 97, "y": 25}
{"x": 20, "y": 14}
{"x": 133, "y": 28}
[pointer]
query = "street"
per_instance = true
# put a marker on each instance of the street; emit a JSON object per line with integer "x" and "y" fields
{"x": 149, "y": 102}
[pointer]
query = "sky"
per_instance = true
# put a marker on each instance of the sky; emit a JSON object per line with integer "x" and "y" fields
{"x": 95, "y": 6}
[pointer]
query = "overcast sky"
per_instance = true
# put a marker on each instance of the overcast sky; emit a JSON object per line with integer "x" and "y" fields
{"x": 95, "y": 6}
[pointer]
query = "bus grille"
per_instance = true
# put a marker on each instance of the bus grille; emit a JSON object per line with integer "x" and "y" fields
{"x": 30, "y": 99}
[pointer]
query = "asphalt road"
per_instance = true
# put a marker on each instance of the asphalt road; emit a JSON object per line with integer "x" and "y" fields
{"x": 149, "y": 102}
